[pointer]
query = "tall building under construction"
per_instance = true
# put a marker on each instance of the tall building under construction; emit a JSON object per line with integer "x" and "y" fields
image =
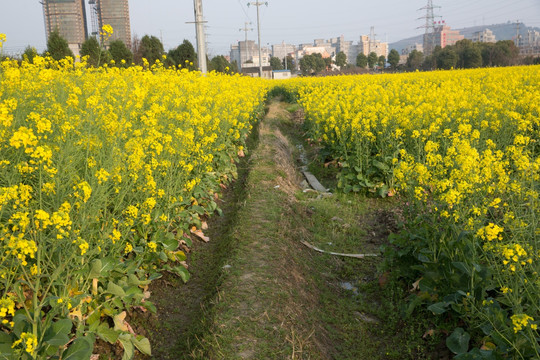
{"x": 116, "y": 14}
{"x": 69, "y": 18}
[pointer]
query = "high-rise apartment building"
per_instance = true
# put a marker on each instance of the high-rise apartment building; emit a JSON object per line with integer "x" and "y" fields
{"x": 116, "y": 14}
{"x": 69, "y": 18}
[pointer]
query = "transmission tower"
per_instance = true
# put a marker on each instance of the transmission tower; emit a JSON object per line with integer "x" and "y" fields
{"x": 94, "y": 18}
{"x": 516, "y": 41}
{"x": 372, "y": 39}
{"x": 246, "y": 29}
{"x": 429, "y": 35}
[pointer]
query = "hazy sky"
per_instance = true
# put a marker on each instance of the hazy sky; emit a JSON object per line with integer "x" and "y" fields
{"x": 292, "y": 21}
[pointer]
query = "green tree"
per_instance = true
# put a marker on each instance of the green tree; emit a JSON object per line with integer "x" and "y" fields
{"x": 29, "y": 54}
{"x": 275, "y": 63}
{"x": 505, "y": 53}
{"x": 487, "y": 50}
{"x": 469, "y": 54}
{"x": 289, "y": 62}
{"x": 320, "y": 63}
{"x": 312, "y": 64}
{"x": 93, "y": 51}
{"x": 58, "y": 47}
{"x": 234, "y": 66}
{"x": 327, "y": 62}
{"x": 447, "y": 58}
{"x": 220, "y": 64}
{"x": 341, "y": 59}
{"x": 122, "y": 56}
{"x": 184, "y": 56}
{"x": 415, "y": 60}
{"x": 372, "y": 59}
{"x": 430, "y": 61}
{"x": 381, "y": 61}
{"x": 149, "y": 48}
{"x": 472, "y": 57}
{"x": 306, "y": 64}
{"x": 393, "y": 58}
{"x": 361, "y": 60}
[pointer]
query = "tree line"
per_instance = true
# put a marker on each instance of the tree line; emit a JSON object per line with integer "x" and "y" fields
{"x": 116, "y": 53}
{"x": 465, "y": 54}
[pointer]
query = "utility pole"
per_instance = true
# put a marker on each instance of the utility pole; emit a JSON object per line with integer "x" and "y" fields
{"x": 245, "y": 29}
{"x": 258, "y": 4}
{"x": 201, "y": 41}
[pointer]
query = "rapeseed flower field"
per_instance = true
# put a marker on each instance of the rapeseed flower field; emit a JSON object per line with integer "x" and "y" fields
{"x": 103, "y": 174}
{"x": 460, "y": 148}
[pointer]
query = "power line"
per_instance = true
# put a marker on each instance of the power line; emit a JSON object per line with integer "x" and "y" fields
{"x": 244, "y": 10}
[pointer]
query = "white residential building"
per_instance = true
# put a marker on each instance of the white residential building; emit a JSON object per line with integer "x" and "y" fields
{"x": 485, "y": 36}
{"x": 367, "y": 46}
{"x": 246, "y": 53}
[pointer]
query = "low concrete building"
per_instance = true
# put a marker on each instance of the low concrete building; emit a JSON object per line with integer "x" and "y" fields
{"x": 265, "y": 59}
{"x": 331, "y": 45}
{"x": 310, "y": 50}
{"x": 409, "y": 49}
{"x": 253, "y": 71}
{"x": 281, "y": 51}
{"x": 281, "y": 74}
{"x": 403, "y": 59}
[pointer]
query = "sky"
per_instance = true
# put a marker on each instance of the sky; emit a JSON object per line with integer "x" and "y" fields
{"x": 289, "y": 21}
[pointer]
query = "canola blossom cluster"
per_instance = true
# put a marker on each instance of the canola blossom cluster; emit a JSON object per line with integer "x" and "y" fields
{"x": 103, "y": 175}
{"x": 460, "y": 149}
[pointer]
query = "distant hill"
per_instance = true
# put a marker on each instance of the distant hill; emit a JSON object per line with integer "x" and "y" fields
{"x": 505, "y": 31}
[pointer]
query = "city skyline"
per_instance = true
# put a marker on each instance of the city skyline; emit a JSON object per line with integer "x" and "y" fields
{"x": 299, "y": 22}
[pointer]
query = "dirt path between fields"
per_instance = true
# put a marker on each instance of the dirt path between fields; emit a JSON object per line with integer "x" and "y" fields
{"x": 257, "y": 293}
{"x": 263, "y": 305}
